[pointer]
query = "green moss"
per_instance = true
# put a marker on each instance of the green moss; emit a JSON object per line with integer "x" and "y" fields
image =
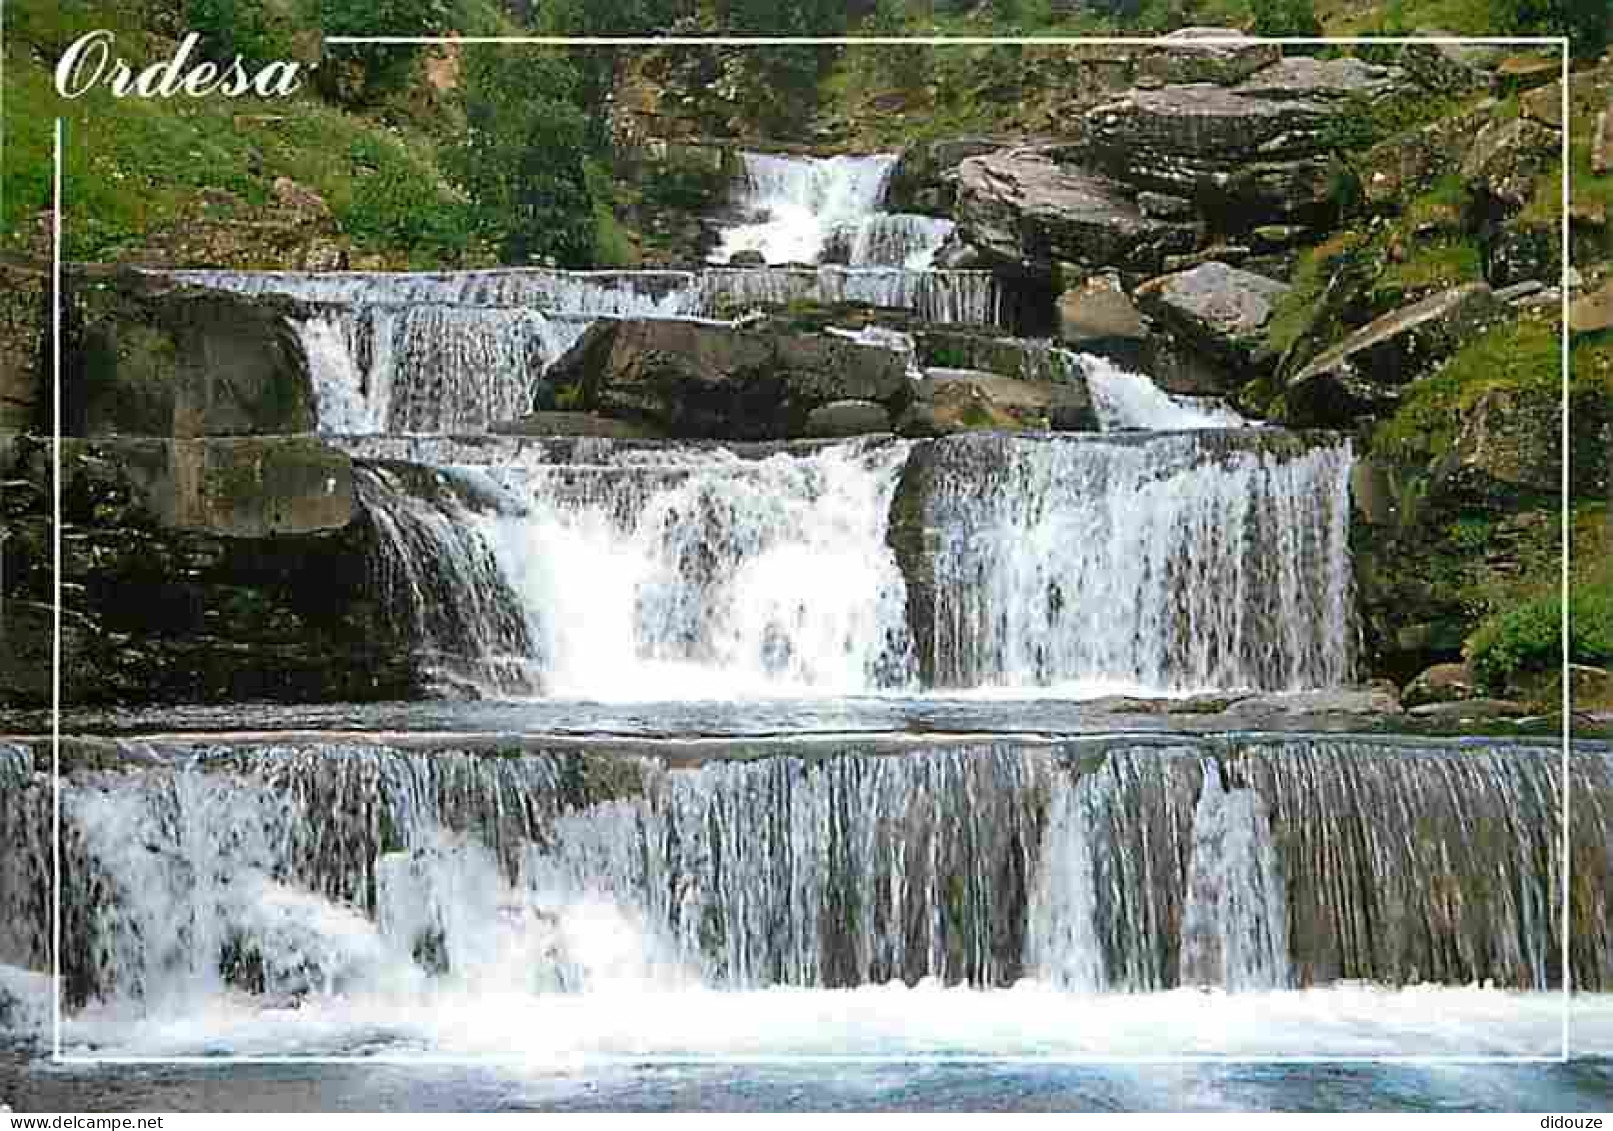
{"x": 1523, "y": 355}
{"x": 1296, "y": 311}
{"x": 1430, "y": 267}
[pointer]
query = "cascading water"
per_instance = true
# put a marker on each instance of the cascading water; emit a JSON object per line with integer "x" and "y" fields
{"x": 696, "y": 574}
{"x": 388, "y": 878}
{"x": 1125, "y": 401}
{"x": 799, "y": 202}
{"x": 1174, "y": 562}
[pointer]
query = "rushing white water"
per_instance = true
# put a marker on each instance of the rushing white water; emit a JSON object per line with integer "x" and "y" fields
{"x": 1171, "y": 564}
{"x": 1085, "y": 565}
{"x": 1235, "y": 922}
{"x": 703, "y": 575}
{"x": 454, "y": 352}
{"x": 292, "y": 899}
{"x": 797, "y": 203}
{"x": 972, "y": 297}
{"x": 1125, "y": 401}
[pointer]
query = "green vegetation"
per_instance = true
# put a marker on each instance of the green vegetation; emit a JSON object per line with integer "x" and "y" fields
{"x": 1523, "y": 356}
{"x": 1528, "y": 637}
{"x": 521, "y": 157}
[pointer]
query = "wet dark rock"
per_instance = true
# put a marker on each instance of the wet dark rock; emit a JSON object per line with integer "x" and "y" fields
{"x": 1025, "y": 211}
{"x": 191, "y": 591}
{"x": 847, "y": 418}
{"x": 147, "y": 358}
{"x": 694, "y": 380}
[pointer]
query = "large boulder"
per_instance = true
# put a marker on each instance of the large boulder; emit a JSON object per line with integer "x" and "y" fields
{"x": 1224, "y": 56}
{"x": 1363, "y": 374}
{"x": 146, "y": 358}
{"x": 925, "y": 179}
{"x": 1507, "y": 159}
{"x": 1251, "y": 154}
{"x": 209, "y": 570}
{"x": 1025, "y": 211}
{"x": 1218, "y": 309}
{"x": 696, "y": 380}
{"x": 1099, "y": 317}
{"x": 969, "y": 398}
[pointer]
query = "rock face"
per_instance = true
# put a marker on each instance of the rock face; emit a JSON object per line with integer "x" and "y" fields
{"x": 196, "y": 597}
{"x": 1508, "y": 158}
{"x": 925, "y": 179}
{"x": 1362, "y": 375}
{"x": 147, "y": 359}
{"x": 1099, "y": 317}
{"x": 1408, "y": 163}
{"x": 1254, "y": 153}
{"x": 24, "y": 322}
{"x": 1026, "y": 212}
{"x": 1441, "y": 683}
{"x": 847, "y": 418}
{"x": 969, "y": 398}
{"x": 244, "y": 487}
{"x": 1507, "y": 452}
{"x": 702, "y": 381}
{"x": 1215, "y": 308}
{"x": 1206, "y": 54}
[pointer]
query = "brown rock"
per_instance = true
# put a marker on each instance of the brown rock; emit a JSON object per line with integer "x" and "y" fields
{"x": 1593, "y": 312}
{"x": 1442, "y": 683}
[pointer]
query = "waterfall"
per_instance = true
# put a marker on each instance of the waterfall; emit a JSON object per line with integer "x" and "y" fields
{"x": 972, "y": 297}
{"x": 1152, "y": 563}
{"x": 447, "y": 352}
{"x": 1115, "y": 864}
{"x": 1125, "y": 401}
{"x": 679, "y": 573}
{"x": 795, "y": 204}
{"x": 438, "y": 575}
{"x": 1173, "y": 562}
{"x": 1235, "y": 922}
{"x": 888, "y": 239}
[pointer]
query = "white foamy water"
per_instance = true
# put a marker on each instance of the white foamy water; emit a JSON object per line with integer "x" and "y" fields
{"x": 711, "y": 577}
{"x": 799, "y": 202}
{"x": 1124, "y": 400}
{"x": 1171, "y": 563}
{"x": 1029, "y": 1020}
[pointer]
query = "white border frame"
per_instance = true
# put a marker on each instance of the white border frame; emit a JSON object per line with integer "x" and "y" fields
{"x": 590, "y": 1060}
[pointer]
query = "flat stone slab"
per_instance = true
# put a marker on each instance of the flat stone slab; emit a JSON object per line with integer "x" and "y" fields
{"x": 1220, "y": 308}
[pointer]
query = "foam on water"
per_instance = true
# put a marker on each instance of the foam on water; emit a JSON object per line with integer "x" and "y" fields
{"x": 796, "y": 203}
